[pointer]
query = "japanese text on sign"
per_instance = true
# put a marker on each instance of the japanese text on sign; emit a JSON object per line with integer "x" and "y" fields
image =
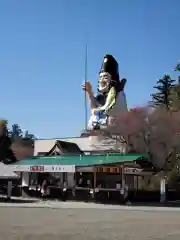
{"x": 37, "y": 168}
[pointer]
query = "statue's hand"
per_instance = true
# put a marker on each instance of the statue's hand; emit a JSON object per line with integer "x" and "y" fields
{"x": 87, "y": 87}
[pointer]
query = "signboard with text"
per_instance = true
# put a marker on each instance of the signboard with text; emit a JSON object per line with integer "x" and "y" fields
{"x": 108, "y": 169}
{"x": 117, "y": 170}
{"x": 36, "y": 168}
{"x": 43, "y": 168}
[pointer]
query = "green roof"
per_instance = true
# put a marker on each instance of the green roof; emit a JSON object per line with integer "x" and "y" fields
{"x": 82, "y": 160}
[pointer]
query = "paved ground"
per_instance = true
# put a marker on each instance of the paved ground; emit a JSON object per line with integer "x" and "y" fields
{"x": 71, "y": 221}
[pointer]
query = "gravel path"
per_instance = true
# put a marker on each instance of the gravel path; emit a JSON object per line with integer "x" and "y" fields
{"x": 88, "y": 223}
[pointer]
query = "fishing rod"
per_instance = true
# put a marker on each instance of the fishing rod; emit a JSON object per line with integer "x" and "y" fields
{"x": 85, "y": 95}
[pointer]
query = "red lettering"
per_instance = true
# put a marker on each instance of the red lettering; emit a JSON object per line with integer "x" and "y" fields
{"x": 37, "y": 168}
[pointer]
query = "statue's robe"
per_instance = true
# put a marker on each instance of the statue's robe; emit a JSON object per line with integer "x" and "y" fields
{"x": 103, "y": 117}
{"x": 101, "y": 122}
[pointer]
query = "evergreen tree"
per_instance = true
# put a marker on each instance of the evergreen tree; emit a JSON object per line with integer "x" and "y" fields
{"x": 163, "y": 98}
{"x": 29, "y": 138}
{"x": 176, "y": 92}
{"x": 177, "y": 67}
{"x": 28, "y": 135}
{"x": 15, "y": 132}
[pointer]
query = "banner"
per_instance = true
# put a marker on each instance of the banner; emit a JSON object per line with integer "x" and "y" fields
{"x": 117, "y": 170}
{"x": 42, "y": 168}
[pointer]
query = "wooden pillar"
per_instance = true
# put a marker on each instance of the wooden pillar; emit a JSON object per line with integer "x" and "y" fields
{"x": 123, "y": 180}
{"x": 75, "y": 184}
{"x": 92, "y": 190}
{"x": 9, "y": 189}
{"x": 94, "y": 177}
{"x": 123, "y": 176}
{"x": 137, "y": 183}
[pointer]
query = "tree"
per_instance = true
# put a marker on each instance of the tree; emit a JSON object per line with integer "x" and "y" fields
{"x": 155, "y": 133}
{"x": 3, "y": 128}
{"x": 6, "y": 154}
{"x": 163, "y": 97}
{"x": 15, "y": 132}
{"x": 23, "y": 148}
{"x": 175, "y": 97}
{"x": 176, "y": 92}
{"x": 29, "y": 136}
{"x": 14, "y": 145}
{"x": 177, "y": 67}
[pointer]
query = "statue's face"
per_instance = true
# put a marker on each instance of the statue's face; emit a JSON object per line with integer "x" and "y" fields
{"x": 104, "y": 81}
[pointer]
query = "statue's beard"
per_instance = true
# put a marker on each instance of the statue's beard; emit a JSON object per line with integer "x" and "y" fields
{"x": 104, "y": 89}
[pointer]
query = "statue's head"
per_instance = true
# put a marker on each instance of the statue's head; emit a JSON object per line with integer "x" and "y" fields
{"x": 109, "y": 75}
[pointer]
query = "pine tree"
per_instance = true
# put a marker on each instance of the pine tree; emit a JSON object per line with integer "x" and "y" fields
{"x": 15, "y": 132}
{"x": 176, "y": 91}
{"x": 163, "y": 97}
{"x": 177, "y": 67}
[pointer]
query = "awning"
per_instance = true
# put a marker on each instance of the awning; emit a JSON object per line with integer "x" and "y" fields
{"x": 6, "y": 172}
{"x": 68, "y": 163}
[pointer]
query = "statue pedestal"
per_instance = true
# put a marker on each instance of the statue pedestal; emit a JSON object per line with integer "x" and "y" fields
{"x": 106, "y": 143}
{"x": 98, "y": 141}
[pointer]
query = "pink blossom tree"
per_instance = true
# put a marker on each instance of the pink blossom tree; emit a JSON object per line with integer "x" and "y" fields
{"x": 153, "y": 132}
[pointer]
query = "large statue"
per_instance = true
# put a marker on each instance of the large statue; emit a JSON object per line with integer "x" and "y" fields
{"x": 111, "y": 99}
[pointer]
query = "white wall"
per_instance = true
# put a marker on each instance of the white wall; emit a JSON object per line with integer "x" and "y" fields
{"x": 43, "y": 145}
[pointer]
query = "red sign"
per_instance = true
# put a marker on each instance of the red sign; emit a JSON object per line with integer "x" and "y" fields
{"x": 37, "y": 168}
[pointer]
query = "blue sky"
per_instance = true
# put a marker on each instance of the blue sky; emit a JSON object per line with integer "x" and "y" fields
{"x": 42, "y": 55}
